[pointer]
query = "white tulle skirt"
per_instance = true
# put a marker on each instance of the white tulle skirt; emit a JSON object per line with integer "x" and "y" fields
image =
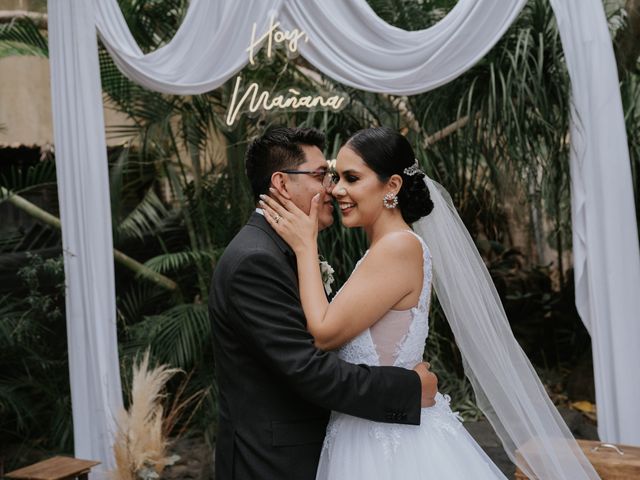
{"x": 439, "y": 448}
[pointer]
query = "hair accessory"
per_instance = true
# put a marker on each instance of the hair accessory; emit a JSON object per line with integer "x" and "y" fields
{"x": 413, "y": 169}
{"x": 390, "y": 200}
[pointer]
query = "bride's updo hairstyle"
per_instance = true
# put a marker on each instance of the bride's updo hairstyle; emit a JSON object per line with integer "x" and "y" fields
{"x": 388, "y": 153}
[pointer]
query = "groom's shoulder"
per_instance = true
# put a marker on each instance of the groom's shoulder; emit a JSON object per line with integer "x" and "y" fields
{"x": 250, "y": 240}
{"x": 254, "y": 240}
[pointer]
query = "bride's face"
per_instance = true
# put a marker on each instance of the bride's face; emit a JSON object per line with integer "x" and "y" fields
{"x": 359, "y": 192}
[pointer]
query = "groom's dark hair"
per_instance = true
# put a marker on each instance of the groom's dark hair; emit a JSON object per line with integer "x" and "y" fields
{"x": 277, "y": 149}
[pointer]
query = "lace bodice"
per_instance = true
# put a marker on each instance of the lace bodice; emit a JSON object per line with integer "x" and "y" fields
{"x": 398, "y": 338}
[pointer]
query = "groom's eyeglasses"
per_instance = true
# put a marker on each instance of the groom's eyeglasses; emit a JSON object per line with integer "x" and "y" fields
{"x": 328, "y": 177}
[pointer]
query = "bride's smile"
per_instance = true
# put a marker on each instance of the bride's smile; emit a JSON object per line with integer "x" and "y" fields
{"x": 346, "y": 207}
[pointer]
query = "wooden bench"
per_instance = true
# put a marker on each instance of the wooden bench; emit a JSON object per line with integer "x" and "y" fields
{"x": 56, "y": 468}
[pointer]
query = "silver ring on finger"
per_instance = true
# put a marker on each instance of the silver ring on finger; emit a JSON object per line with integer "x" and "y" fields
{"x": 277, "y": 218}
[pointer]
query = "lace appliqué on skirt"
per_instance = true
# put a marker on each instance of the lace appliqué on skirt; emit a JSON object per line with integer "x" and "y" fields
{"x": 387, "y": 434}
{"x": 440, "y": 415}
{"x": 438, "y": 418}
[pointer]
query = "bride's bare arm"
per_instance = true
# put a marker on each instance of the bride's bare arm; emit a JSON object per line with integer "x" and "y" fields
{"x": 391, "y": 271}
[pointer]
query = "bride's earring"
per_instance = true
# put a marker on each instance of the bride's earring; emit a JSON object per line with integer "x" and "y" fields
{"x": 390, "y": 200}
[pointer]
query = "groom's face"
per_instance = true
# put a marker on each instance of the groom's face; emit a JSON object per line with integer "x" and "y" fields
{"x": 302, "y": 188}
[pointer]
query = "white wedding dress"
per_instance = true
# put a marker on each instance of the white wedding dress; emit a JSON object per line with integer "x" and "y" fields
{"x": 439, "y": 448}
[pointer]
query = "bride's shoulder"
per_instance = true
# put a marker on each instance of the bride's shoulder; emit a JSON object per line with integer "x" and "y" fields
{"x": 401, "y": 245}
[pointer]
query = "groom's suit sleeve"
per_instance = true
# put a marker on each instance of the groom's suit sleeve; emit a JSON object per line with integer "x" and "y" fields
{"x": 263, "y": 297}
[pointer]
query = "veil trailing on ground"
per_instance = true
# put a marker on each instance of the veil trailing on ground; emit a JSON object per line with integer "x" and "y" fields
{"x": 507, "y": 387}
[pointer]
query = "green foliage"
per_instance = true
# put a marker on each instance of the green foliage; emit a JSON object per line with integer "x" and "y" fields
{"x": 151, "y": 22}
{"x": 145, "y": 219}
{"x": 630, "y": 91}
{"x": 35, "y": 400}
{"x": 21, "y": 37}
{"x": 544, "y": 320}
{"x": 19, "y": 179}
{"x": 412, "y": 15}
{"x": 170, "y": 262}
{"x": 178, "y": 335}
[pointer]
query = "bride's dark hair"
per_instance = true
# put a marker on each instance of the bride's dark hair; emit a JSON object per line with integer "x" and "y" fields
{"x": 387, "y": 152}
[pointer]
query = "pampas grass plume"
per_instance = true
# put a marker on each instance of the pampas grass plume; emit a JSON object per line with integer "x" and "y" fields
{"x": 140, "y": 443}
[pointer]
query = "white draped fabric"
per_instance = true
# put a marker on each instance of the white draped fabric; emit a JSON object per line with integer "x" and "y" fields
{"x": 606, "y": 255}
{"x": 83, "y": 193}
{"x": 349, "y": 43}
{"x": 208, "y": 48}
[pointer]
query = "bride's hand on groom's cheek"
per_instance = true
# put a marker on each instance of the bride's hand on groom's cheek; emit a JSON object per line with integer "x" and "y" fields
{"x": 429, "y": 383}
{"x": 297, "y": 228}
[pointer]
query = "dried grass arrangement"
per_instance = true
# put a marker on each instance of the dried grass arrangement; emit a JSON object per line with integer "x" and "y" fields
{"x": 141, "y": 440}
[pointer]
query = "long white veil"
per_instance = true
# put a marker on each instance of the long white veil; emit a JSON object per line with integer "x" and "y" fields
{"x": 506, "y": 386}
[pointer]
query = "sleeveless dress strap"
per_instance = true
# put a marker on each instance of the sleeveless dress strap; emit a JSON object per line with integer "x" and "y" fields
{"x": 423, "y": 302}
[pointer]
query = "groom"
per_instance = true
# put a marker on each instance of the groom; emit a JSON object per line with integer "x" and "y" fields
{"x": 275, "y": 389}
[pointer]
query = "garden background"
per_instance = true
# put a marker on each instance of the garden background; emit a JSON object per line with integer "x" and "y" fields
{"x": 496, "y": 138}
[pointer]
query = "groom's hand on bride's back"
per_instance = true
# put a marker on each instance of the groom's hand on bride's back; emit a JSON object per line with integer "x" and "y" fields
{"x": 429, "y": 384}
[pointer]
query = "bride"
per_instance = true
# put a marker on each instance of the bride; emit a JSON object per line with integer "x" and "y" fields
{"x": 380, "y": 317}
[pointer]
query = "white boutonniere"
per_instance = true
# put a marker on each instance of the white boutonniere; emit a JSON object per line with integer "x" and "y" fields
{"x": 326, "y": 271}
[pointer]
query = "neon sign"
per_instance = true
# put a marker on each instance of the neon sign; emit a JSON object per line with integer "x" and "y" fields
{"x": 253, "y": 98}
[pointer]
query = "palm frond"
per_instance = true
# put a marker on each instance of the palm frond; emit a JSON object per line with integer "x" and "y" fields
{"x": 149, "y": 216}
{"x": 177, "y": 336}
{"x": 14, "y": 401}
{"x": 412, "y": 15}
{"x": 21, "y": 37}
{"x": 19, "y": 179}
{"x": 138, "y": 300}
{"x": 171, "y": 262}
{"x": 153, "y": 23}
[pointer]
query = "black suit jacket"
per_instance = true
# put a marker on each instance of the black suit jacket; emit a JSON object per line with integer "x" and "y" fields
{"x": 275, "y": 389}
